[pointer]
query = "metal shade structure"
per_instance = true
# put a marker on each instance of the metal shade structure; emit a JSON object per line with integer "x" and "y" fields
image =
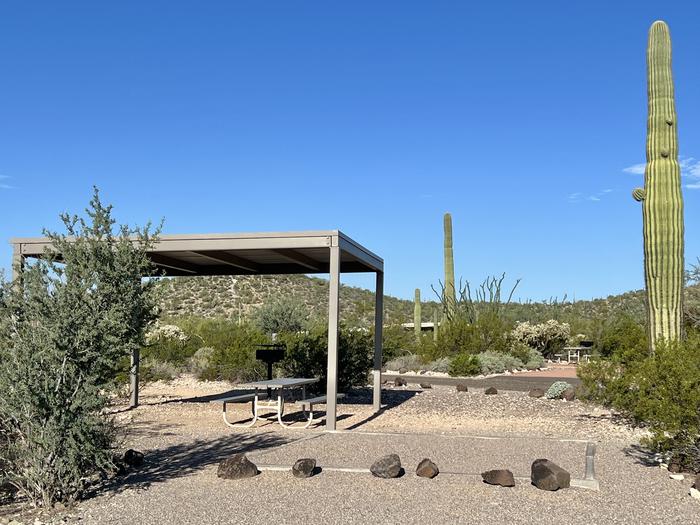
{"x": 269, "y": 253}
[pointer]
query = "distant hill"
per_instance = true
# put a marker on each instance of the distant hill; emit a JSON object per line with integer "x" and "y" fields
{"x": 238, "y": 297}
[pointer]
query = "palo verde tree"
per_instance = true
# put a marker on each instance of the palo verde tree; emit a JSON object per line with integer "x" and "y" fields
{"x": 66, "y": 323}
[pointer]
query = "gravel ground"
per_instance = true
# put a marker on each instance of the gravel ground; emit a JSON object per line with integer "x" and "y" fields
{"x": 184, "y": 441}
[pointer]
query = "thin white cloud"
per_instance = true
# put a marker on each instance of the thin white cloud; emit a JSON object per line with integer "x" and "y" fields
{"x": 690, "y": 170}
{"x": 636, "y": 169}
{"x": 596, "y": 197}
{"x": 3, "y": 185}
{"x": 593, "y": 198}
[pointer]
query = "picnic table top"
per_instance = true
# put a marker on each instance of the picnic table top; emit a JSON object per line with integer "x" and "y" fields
{"x": 282, "y": 382}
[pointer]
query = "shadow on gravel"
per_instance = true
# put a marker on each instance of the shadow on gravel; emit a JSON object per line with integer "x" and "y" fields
{"x": 641, "y": 455}
{"x": 184, "y": 459}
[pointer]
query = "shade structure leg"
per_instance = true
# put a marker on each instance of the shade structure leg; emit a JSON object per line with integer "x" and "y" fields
{"x": 378, "y": 332}
{"x": 333, "y": 315}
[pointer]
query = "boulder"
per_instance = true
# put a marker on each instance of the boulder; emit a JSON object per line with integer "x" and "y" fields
{"x": 427, "y": 469}
{"x": 569, "y": 394}
{"x": 387, "y": 467}
{"x": 501, "y": 477}
{"x": 403, "y": 370}
{"x": 425, "y": 386}
{"x": 536, "y": 392}
{"x": 304, "y": 468}
{"x": 461, "y": 387}
{"x": 133, "y": 458}
{"x": 696, "y": 483}
{"x": 694, "y": 493}
{"x": 490, "y": 391}
{"x": 547, "y": 475}
{"x": 674, "y": 467}
{"x": 400, "y": 381}
{"x": 237, "y": 466}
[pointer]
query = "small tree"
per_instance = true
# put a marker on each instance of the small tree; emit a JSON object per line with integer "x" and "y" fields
{"x": 64, "y": 325}
{"x": 281, "y": 316}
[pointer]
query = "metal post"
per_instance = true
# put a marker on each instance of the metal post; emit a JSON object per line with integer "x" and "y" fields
{"x": 17, "y": 262}
{"x": 378, "y": 329}
{"x": 333, "y": 310}
{"x": 134, "y": 378}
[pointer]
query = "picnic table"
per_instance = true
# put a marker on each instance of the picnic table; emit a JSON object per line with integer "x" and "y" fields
{"x": 268, "y": 396}
{"x": 575, "y": 352}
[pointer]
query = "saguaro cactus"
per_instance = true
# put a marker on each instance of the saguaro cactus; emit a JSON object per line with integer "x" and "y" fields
{"x": 449, "y": 292}
{"x": 661, "y": 198}
{"x": 417, "y": 313}
{"x": 436, "y": 326}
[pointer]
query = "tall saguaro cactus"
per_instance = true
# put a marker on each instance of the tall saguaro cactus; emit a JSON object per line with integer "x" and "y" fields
{"x": 661, "y": 198}
{"x": 417, "y": 313}
{"x": 449, "y": 292}
{"x": 436, "y": 326}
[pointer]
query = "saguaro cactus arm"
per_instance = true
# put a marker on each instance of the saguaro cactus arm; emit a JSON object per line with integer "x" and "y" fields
{"x": 449, "y": 298}
{"x": 417, "y": 313}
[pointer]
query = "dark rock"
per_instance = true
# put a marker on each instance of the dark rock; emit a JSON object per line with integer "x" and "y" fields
{"x": 425, "y": 385}
{"x": 237, "y": 467}
{"x": 569, "y": 394}
{"x": 461, "y": 387}
{"x": 696, "y": 483}
{"x": 427, "y": 469}
{"x": 387, "y": 467}
{"x": 304, "y": 468}
{"x": 490, "y": 391}
{"x": 403, "y": 370}
{"x": 502, "y": 477}
{"x": 547, "y": 475}
{"x": 400, "y": 381}
{"x": 536, "y": 392}
{"x": 674, "y": 467}
{"x": 133, "y": 458}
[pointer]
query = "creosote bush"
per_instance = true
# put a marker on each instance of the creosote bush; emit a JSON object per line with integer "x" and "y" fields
{"x": 464, "y": 365}
{"x": 63, "y": 331}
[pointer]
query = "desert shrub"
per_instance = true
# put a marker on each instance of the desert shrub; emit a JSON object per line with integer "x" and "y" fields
{"x": 201, "y": 360}
{"x": 548, "y": 337}
{"x": 497, "y": 362}
{"x": 441, "y": 365}
{"x": 154, "y": 370}
{"x": 166, "y": 343}
{"x": 63, "y": 329}
{"x": 534, "y": 360}
{"x": 622, "y": 339}
{"x": 234, "y": 360}
{"x": 307, "y": 356}
{"x": 409, "y": 362}
{"x": 488, "y": 334}
{"x": 520, "y": 350}
{"x": 661, "y": 391}
{"x": 464, "y": 365}
{"x": 557, "y": 389}
{"x": 282, "y": 315}
{"x": 397, "y": 341}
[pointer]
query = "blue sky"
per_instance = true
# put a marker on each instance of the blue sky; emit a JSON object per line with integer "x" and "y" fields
{"x": 525, "y": 120}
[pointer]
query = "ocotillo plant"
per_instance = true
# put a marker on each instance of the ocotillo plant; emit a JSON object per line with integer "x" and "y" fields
{"x": 450, "y": 295}
{"x": 416, "y": 313}
{"x": 661, "y": 198}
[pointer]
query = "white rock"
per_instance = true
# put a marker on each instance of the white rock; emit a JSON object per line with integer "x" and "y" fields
{"x": 695, "y": 493}
{"x": 663, "y": 465}
{"x": 678, "y": 477}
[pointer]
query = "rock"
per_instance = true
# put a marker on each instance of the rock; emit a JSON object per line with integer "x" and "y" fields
{"x": 133, "y": 458}
{"x": 425, "y": 386}
{"x": 674, "y": 467}
{"x": 403, "y": 370}
{"x": 536, "y": 392}
{"x": 569, "y": 394}
{"x": 502, "y": 477}
{"x": 427, "y": 469}
{"x": 696, "y": 483}
{"x": 304, "y": 468}
{"x": 677, "y": 477}
{"x": 694, "y": 493}
{"x": 387, "y": 467}
{"x": 490, "y": 391}
{"x": 237, "y": 467}
{"x": 461, "y": 387}
{"x": 547, "y": 475}
{"x": 400, "y": 381}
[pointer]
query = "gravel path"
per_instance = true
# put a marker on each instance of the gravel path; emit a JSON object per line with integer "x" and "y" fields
{"x": 185, "y": 440}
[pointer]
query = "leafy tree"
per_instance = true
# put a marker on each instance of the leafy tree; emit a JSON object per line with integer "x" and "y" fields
{"x": 64, "y": 325}
{"x": 282, "y": 315}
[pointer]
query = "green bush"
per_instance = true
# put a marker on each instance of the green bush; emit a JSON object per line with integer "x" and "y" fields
{"x": 236, "y": 360}
{"x": 64, "y": 330}
{"x": 489, "y": 333}
{"x": 497, "y": 363}
{"x": 201, "y": 360}
{"x": 409, "y": 362}
{"x": 661, "y": 391}
{"x": 154, "y": 370}
{"x": 396, "y": 342}
{"x": 464, "y": 365}
{"x": 281, "y": 316}
{"x": 307, "y": 356}
{"x": 622, "y": 339}
{"x": 441, "y": 365}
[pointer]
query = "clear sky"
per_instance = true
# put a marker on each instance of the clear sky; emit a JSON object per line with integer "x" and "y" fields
{"x": 525, "y": 120}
